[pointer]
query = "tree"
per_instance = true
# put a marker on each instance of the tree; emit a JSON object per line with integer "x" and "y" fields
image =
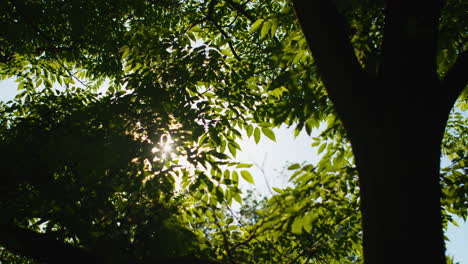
{"x": 202, "y": 71}
{"x": 80, "y": 184}
{"x": 395, "y": 119}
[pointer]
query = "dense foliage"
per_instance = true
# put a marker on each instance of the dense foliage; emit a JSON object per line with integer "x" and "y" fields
{"x": 107, "y": 87}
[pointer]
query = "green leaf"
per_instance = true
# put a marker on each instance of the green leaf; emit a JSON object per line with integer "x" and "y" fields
{"x": 257, "y": 135}
{"x": 298, "y": 57}
{"x": 309, "y": 124}
{"x": 274, "y": 26}
{"x": 269, "y": 133}
{"x": 232, "y": 149}
{"x": 219, "y": 194}
{"x": 307, "y": 222}
{"x": 256, "y": 25}
{"x": 228, "y": 196}
{"x": 321, "y": 148}
{"x": 297, "y": 131}
{"x": 316, "y": 143}
{"x": 294, "y": 166}
{"x": 38, "y": 82}
{"x": 265, "y": 29}
{"x": 265, "y": 124}
{"x": 247, "y": 176}
{"x": 222, "y": 148}
{"x": 232, "y": 142}
{"x": 226, "y": 174}
{"x": 21, "y": 85}
{"x": 219, "y": 155}
{"x": 250, "y": 129}
{"x": 243, "y": 165}
{"x": 278, "y": 190}
{"x": 296, "y": 226}
{"x": 196, "y": 28}
{"x": 339, "y": 160}
{"x": 235, "y": 176}
{"x": 238, "y": 198}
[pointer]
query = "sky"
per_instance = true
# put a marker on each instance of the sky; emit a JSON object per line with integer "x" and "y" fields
{"x": 271, "y": 159}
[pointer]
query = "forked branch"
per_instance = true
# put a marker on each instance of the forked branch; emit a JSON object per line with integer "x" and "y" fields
{"x": 344, "y": 79}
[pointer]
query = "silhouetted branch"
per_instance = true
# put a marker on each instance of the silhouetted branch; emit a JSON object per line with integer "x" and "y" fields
{"x": 209, "y": 16}
{"x": 188, "y": 260}
{"x": 42, "y": 247}
{"x": 345, "y": 80}
{"x": 48, "y": 249}
{"x": 241, "y": 9}
{"x": 229, "y": 42}
{"x": 456, "y": 78}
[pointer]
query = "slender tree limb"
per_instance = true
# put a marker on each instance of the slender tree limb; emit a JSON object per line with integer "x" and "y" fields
{"x": 241, "y": 9}
{"x": 209, "y": 16}
{"x": 193, "y": 25}
{"x": 229, "y": 42}
{"x": 456, "y": 78}
{"x": 233, "y": 21}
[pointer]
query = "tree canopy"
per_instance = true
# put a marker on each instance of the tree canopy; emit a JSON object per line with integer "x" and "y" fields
{"x": 120, "y": 145}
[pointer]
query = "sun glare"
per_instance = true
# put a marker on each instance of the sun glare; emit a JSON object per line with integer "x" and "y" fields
{"x": 167, "y": 148}
{"x": 164, "y": 147}
{"x": 164, "y": 151}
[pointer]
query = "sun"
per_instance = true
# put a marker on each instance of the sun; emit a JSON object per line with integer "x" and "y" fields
{"x": 164, "y": 147}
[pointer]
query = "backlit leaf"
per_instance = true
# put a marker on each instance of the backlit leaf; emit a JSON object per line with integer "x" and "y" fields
{"x": 256, "y": 25}
{"x": 257, "y": 135}
{"x": 247, "y": 176}
{"x": 294, "y": 166}
{"x": 269, "y": 133}
{"x": 250, "y": 130}
{"x": 232, "y": 149}
{"x": 265, "y": 29}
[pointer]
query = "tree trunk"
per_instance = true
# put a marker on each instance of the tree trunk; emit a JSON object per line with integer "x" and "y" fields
{"x": 401, "y": 210}
{"x": 398, "y": 159}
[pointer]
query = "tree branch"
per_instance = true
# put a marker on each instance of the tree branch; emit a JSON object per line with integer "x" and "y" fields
{"x": 456, "y": 78}
{"x": 228, "y": 39}
{"x": 409, "y": 43}
{"x": 187, "y": 260}
{"x": 241, "y": 9}
{"x": 345, "y": 80}
{"x": 42, "y": 247}
{"x": 209, "y": 16}
{"x": 46, "y": 248}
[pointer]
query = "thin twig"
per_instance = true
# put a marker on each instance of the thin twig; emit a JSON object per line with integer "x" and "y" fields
{"x": 240, "y": 8}
{"x": 231, "y": 46}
